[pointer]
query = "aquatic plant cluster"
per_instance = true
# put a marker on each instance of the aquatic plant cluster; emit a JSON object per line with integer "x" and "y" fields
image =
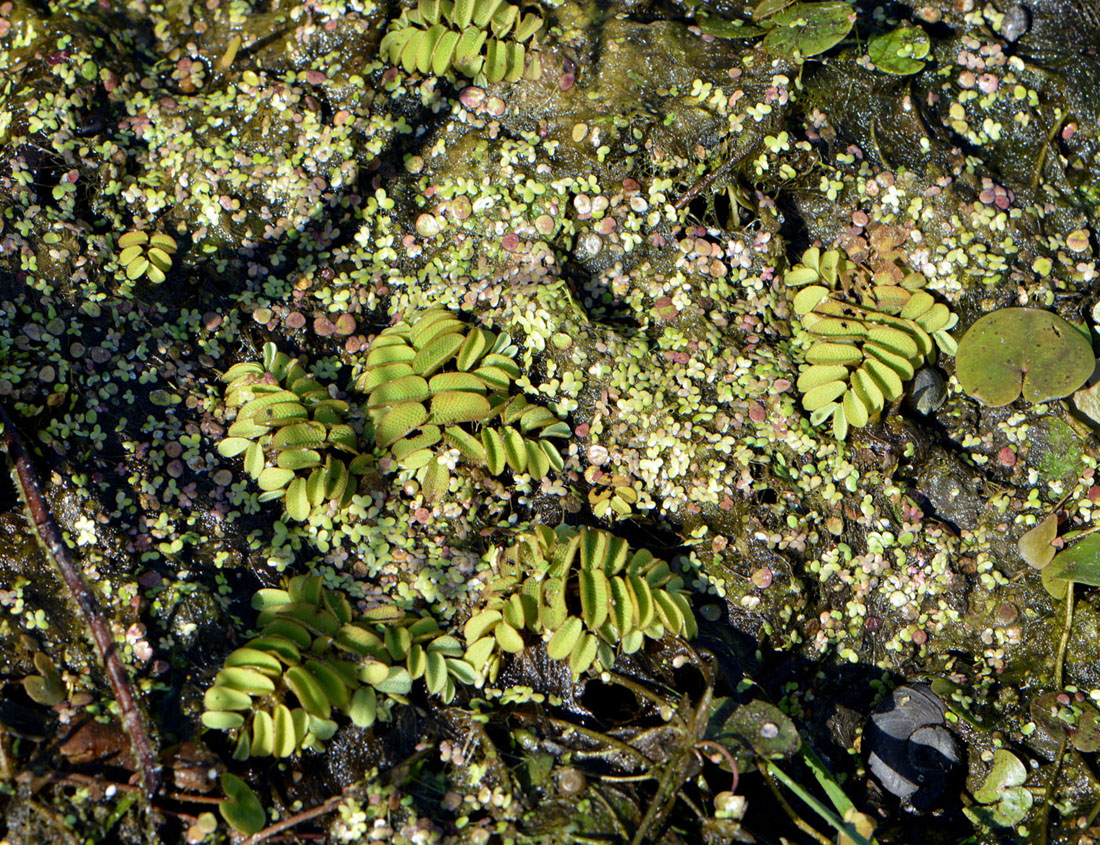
{"x": 625, "y": 597}
{"x": 285, "y": 420}
{"x": 310, "y": 647}
{"x": 870, "y": 336}
{"x": 427, "y": 377}
{"x": 422, "y": 324}
{"x": 441, "y": 35}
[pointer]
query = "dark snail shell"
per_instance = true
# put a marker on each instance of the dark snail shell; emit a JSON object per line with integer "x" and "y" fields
{"x": 912, "y": 754}
{"x": 928, "y": 391}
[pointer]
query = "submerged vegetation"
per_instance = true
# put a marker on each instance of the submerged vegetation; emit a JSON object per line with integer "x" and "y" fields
{"x": 424, "y": 407}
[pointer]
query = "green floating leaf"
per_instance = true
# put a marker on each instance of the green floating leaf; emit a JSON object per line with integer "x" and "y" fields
{"x": 1023, "y": 350}
{"x": 1003, "y": 788}
{"x": 225, "y": 698}
{"x": 456, "y": 36}
{"x": 47, "y": 687}
{"x": 900, "y": 51}
{"x": 286, "y": 736}
{"x": 241, "y": 809}
{"x": 565, "y": 639}
{"x": 244, "y": 679}
{"x": 1035, "y": 546}
{"x": 807, "y": 29}
{"x": 1080, "y": 563}
{"x": 259, "y": 659}
{"x": 222, "y": 720}
{"x": 753, "y": 729}
{"x": 139, "y": 255}
{"x": 308, "y": 692}
{"x": 721, "y": 28}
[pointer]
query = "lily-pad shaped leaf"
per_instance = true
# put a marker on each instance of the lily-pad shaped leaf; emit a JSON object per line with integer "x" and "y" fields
{"x": 899, "y": 51}
{"x": 807, "y": 29}
{"x": 1050, "y": 576}
{"x": 1049, "y": 714}
{"x": 767, "y": 8}
{"x": 1079, "y": 722}
{"x": 1081, "y": 562}
{"x": 757, "y": 728}
{"x": 46, "y": 687}
{"x": 1086, "y": 738}
{"x": 1035, "y": 546}
{"x": 240, "y": 807}
{"x": 1026, "y": 350}
{"x": 1003, "y": 788}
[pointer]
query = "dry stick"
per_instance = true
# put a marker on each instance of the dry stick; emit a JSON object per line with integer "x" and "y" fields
{"x": 49, "y": 535}
{"x": 56, "y": 821}
{"x": 182, "y": 797}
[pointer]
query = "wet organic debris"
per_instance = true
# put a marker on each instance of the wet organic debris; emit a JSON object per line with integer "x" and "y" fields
{"x": 626, "y": 213}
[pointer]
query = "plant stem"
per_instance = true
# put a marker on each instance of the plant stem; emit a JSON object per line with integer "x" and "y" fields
{"x": 290, "y": 821}
{"x": 49, "y": 536}
{"x": 825, "y": 779}
{"x": 819, "y": 808}
{"x": 629, "y": 751}
{"x": 1048, "y": 793}
{"x": 1060, "y": 657}
{"x": 799, "y": 822}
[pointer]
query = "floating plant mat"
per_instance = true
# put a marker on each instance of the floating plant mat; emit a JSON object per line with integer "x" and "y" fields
{"x": 544, "y": 421}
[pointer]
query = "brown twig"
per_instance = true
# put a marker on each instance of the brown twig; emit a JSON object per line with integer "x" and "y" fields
{"x": 56, "y": 820}
{"x": 628, "y": 750}
{"x": 705, "y": 182}
{"x": 290, "y": 821}
{"x": 49, "y": 535}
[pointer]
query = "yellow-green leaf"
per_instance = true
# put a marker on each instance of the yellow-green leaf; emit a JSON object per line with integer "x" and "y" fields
{"x": 458, "y": 406}
{"x": 565, "y": 639}
{"x": 308, "y": 692}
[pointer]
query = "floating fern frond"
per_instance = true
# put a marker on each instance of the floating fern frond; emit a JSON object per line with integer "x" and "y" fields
{"x": 314, "y": 663}
{"x": 435, "y": 383}
{"x": 870, "y": 333}
{"x": 625, "y": 598}
{"x": 291, "y": 434}
{"x": 484, "y": 40}
{"x": 143, "y": 255}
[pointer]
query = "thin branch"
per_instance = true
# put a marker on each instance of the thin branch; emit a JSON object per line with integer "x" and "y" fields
{"x": 628, "y": 750}
{"x": 56, "y": 821}
{"x": 1049, "y": 793}
{"x": 620, "y": 829}
{"x": 49, "y": 536}
{"x": 290, "y": 821}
